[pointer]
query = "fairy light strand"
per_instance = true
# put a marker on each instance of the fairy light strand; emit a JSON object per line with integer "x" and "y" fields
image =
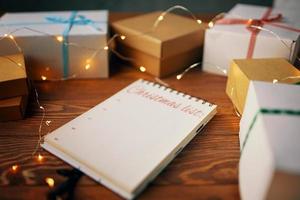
{"x": 180, "y": 76}
{"x": 176, "y": 7}
{"x": 95, "y": 52}
{"x": 87, "y": 66}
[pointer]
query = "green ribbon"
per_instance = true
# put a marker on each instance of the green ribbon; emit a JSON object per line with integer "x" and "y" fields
{"x": 265, "y": 111}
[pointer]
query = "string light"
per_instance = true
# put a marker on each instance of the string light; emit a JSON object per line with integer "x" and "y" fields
{"x": 87, "y": 66}
{"x": 161, "y": 82}
{"x": 179, "y": 76}
{"x": 216, "y": 18}
{"x": 59, "y": 38}
{"x": 160, "y": 18}
{"x": 123, "y": 37}
{"x": 142, "y": 69}
{"x": 15, "y": 168}
{"x": 50, "y": 182}
{"x": 285, "y": 78}
{"x": 40, "y": 158}
{"x": 199, "y": 21}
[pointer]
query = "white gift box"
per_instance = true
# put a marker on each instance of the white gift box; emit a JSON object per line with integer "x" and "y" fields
{"x": 59, "y": 44}
{"x": 269, "y": 166}
{"x": 230, "y": 38}
{"x": 293, "y": 5}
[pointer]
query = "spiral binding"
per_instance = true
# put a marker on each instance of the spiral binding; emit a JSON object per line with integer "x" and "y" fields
{"x": 170, "y": 90}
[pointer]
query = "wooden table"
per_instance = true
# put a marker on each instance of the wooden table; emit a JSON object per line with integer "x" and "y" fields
{"x": 205, "y": 169}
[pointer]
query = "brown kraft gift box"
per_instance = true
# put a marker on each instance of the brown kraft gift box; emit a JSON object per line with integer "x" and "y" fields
{"x": 173, "y": 45}
{"x": 13, "y": 108}
{"x": 242, "y": 71}
{"x": 13, "y": 76}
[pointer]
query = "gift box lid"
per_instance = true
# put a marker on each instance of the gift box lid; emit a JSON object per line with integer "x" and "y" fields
{"x": 12, "y": 67}
{"x": 55, "y": 23}
{"x": 255, "y": 12}
{"x": 268, "y": 69}
{"x": 260, "y": 69}
{"x": 173, "y": 35}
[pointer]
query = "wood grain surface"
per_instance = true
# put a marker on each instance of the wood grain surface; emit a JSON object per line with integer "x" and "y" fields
{"x": 205, "y": 169}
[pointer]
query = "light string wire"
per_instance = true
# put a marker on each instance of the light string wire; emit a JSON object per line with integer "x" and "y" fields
{"x": 108, "y": 47}
{"x": 10, "y": 35}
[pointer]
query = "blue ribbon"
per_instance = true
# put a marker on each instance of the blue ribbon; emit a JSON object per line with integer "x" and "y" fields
{"x": 74, "y": 19}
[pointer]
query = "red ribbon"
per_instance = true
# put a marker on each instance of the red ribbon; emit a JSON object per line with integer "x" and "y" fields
{"x": 266, "y": 19}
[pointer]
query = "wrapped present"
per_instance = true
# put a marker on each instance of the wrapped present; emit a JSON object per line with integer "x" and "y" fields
{"x": 13, "y": 108}
{"x": 242, "y": 71}
{"x": 13, "y": 76}
{"x": 174, "y": 44}
{"x": 269, "y": 166}
{"x": 292, "y": 5}
{"x": 249, "y": 31}
{"x": 59, "y": 44}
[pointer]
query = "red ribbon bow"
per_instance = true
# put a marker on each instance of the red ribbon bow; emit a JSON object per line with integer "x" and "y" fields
{"x": 250, "y": 23}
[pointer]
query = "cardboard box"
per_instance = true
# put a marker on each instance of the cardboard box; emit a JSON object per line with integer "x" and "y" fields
{"x": 13, "y": 108}
{"x": 173, "y": 45}
{"x": 269, "y": 166}
{"x": 44, "y": 39}
{"x": 13, "y": 76}
{"x": 233, "y": 38}
{"x": 242, "y": 71}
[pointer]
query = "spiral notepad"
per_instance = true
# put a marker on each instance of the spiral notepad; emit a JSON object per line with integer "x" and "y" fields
{"x": 125, "y": 141}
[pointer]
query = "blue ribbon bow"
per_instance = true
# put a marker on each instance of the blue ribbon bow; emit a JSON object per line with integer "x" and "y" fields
{"x": 74, "y": 19}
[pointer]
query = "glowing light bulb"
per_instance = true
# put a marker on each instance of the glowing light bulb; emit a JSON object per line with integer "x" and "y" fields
{"x": 43, "y": 78}
{"x": 48, "y": 122}
{"x": 210, "y": 24}
{"x": 179, "y": 76}
{"x": 123, "y": 37}
{"x": 59, "y": 38}
{"x": 41, "y": 107}
{"x": 50, "y": 182}
{"x": 5, "y": 35}
{"x": 14, "y": 168}
{"x": 105, "y": 48}
{"x": 142, "y": 69}
{"x": 40, "y": 158}
{"x": 224, "y": 71}
{"x": 160, "y": 18}
{"x": 199, "y": 21}
{"x": 275, "y": 80}
{"x": 250, "y": 21}
{"x": 87, "y": 66}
